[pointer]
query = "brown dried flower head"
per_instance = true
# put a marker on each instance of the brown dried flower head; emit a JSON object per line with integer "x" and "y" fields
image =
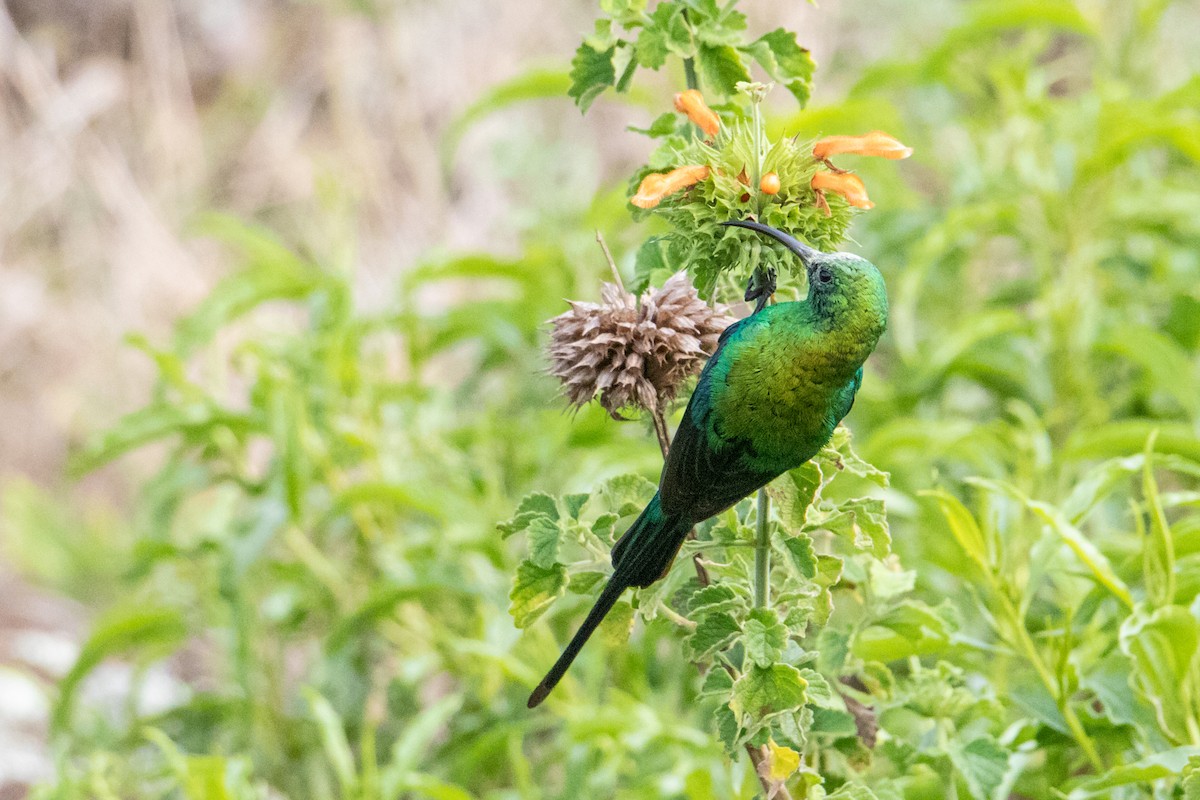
{"x": 634, "y": 353}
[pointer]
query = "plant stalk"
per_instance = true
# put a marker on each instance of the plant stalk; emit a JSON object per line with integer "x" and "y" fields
{"x": 762, "y": 552}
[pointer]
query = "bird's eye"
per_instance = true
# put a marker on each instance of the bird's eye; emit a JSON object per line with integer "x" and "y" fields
{"x": 824, "y": 276}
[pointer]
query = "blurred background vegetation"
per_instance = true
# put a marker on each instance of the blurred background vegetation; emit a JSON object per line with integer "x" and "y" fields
{"x": 272, "y": 281}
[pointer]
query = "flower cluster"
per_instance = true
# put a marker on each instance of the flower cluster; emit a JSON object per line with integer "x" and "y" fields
{"x": 657, "y": 186}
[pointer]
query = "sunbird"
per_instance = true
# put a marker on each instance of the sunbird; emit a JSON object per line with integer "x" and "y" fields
{"x": 767, "y": 401}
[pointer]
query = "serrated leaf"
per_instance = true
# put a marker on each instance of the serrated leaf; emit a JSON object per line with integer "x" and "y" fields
{"x": 592, "y": 72}
{"x": 574, "y": 504}
{"x": 887, "y": 583}
{"x": 786, "y": 61}
{"x": 722, "y": 68}
{"x": 763, "y": 691}
{"x": 605, "y": 527}
{"x": 727, "y": 729}
{"x": 1191, "y": 779}
{"x": 531, "y": 506}
{"x": 544, "y": 535}
{"x": 623, "y": 11}
{"x": 715, "y": 597}
{"x": 794, "y": 492}
{"x": 801, "y": 553}
{"x": 623, "y": 495}
{"x": 820, "y": 694}
{"x": 717, "y": 683}
{"x": 765, "y": 637}
{"x": 713, "y": 633}
{"x": 863, "y": 519}
{"x": 534, "y": 589}
{"x": 982, "y": 763}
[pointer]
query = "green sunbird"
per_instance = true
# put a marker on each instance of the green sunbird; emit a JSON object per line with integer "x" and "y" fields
{"x": 767, "y": 401}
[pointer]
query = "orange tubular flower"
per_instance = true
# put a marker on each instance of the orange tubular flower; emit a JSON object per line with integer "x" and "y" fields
{"x": 875, "y": 143}
{"x": 656, "y": 186}
{"x": 846, "y": 184}
{"x": 692, "y": 103}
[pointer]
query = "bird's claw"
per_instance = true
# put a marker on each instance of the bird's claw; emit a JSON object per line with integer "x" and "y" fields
{"x": 762, "y": 285}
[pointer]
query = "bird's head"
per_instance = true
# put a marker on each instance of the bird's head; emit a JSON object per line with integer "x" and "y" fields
{"x": 832, "y": 277}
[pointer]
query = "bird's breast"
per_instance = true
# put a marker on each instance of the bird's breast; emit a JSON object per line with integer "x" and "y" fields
{"x": 786, "y": 392}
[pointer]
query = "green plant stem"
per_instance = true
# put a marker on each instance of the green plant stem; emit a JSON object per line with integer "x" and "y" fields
{"x": 1026, "y": 645}
{"x": 762, "y": 552}
{"x": 689, "y": 73}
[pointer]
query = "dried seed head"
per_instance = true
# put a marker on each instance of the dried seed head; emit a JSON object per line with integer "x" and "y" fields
{"x": 631, "y": 353}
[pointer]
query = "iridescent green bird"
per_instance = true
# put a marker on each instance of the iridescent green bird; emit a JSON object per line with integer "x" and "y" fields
{"x": 767, "y": 401}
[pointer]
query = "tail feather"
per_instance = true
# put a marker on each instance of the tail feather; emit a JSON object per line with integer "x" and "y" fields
{"x": 640, "y": 558}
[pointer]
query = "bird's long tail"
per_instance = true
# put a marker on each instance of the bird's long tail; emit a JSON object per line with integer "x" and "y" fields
{"x": 640, "y": 558}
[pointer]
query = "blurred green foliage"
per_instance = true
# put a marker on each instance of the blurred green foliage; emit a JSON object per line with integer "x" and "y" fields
{"x": 318, "y": 547}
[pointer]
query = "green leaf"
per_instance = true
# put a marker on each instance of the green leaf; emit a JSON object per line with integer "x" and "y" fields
{"x": 888, "y": 583}
{"x": 864, "y": 519}
{"x": 794, "y": 491}
{"x": 785, "y": 61}
{"x": 722, "y": 68}
{"x": 616, "y": 627}
{"x": 717, "y": 683}
{"x": 906, "y": 628}
{"x": 764, "y": 691}
{"x": 715, "y": 597}
{"x": 156, "y": 421}
{"x": 623, "y": 11}
{"x": 623, "y": 495}
{"x": 592, "y": 72}
{"x": 663, "y": 125}
{"x": 800, "y": 549}
{"x": 713, "y": 633}
{"x": 727, "y": 728}
{"x": 964, "y": 528}
{"x": 271, "y": 272}
{"x": 1191, "y": 779}
{"x": 148, "y": 634}
{"x": 1158, "y": 555}
{"x": 544, "y": 534}
{"x": 333, "y": 741}
{"x": 1143, "y": 772}
{"x": 820, "y": 693}
{"x": 982, "y": 763}
{"x": 534, "y": 589}
{"x": 1165, "y": 649}
{"x": 1087, "y": 552}
{"x": 765, "y": 637}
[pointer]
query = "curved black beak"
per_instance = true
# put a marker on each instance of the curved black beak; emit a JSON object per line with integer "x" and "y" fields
{"x": 806, "y": 253}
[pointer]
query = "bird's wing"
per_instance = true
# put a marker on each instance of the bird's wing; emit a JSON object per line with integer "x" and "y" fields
{"x": 707, "y": 472}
